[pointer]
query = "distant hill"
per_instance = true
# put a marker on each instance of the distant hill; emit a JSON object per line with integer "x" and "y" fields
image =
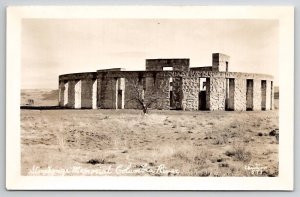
{"x": 39, "y": 97}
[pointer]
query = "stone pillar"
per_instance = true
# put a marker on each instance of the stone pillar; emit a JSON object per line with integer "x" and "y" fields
{"x": 108, "y": 93}
{"x": 257, "y": 95}
{"x": 71, "y": 94}
{"x": 190, "y": 93}
{"x": 133, "y": 88}
{"x": 177, "y": 92}
{"x": 115, "y": 94}
{"x": 268, "y": 95}
{"x": 86, "y": 93}
{"x": 208, "y": 93}
{"x": 77, "y": 104}
{"x": 63, "y": 93}
{"x": 240, "y": 95}
{"x": 272, "y": 95}
{"x": 217, "y": 93}
{"x": 120, "y": 91}
{"x": 263, "y": 94}
{"x": 163, "y": 86}
{"x": 94, "y": 94}
{"x": 100, "y": 96}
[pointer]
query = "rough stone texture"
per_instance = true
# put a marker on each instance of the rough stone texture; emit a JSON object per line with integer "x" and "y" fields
{"x": 163, "y": 87}
{"x": 190, "y": 89}
{"x": 108, "y": 93}
{"x": 206, "y": 68}
{"x": 71, "y": 94}
{"x": 217, "y": 94}
{"x": 268, "y": 96}
{"x": 220, "y": 62}
{"x": 208, "y": 93}
{"x": 159, "y": 64}
{"x": 114, "y": 88}
{"x": 257, "y": 95}
{"x": 240, "y": 94}
{"x": 177, "y": 92}
{"x": 100, "y": 79}
{"x": 87, "y": 93}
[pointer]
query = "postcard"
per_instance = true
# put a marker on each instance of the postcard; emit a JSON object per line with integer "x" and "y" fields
{"x": 150, "y": 98}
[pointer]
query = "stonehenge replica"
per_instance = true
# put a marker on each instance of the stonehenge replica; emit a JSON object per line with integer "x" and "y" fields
{"x": 173, "y": 84}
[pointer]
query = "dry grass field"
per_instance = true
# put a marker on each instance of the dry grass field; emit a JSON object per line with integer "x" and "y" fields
{"x": 163, "y": 143}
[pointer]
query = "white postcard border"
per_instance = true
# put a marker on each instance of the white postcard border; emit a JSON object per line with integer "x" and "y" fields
{"x": 285, "y": 15}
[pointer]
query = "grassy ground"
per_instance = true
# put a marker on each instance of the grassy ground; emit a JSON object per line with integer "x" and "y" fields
{"x": 163, "y": 143}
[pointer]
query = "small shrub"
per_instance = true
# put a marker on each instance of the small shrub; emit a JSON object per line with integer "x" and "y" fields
{"x": 239, "y": 154}
{"x": 220, "y": 139}
{"x": 224, "y": 165}
{"x": 204, "y": 173}
{"x": 96, "y": 161}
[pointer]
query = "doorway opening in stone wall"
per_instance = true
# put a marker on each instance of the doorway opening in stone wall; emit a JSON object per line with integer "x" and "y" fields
{"x": 202, "y": 94}
{"x": 120, "y": 99}
{"x": 249, "y": 95}
{"x": 229, "y": 101}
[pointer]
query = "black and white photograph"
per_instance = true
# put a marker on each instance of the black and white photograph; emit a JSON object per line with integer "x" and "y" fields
{"x": 152, "y": 95}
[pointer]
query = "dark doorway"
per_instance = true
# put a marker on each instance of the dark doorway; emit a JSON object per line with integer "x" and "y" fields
{"x": 172, "y": 103}
{"x": 202, "y": 94}
{"x": 249, "y": 95}
{"x": 202, "y": 100}
{"x": 120, "y": 99}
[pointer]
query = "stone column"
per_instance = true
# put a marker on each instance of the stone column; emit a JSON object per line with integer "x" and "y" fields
{"x": 268, "y": 95}
{"x": 63, "y": 93}
{"x": 257, "y": 95}
{"x": 71, "y": 94}
{"x": 272, "y": 95}
{"x": 190, "y": 92}
{"x": 240, "y": 94}
{"x": 217, "y": 93}
{"x": 86, "y": 93}
{"x": 263, "y": 94}
{"x": 94, "y": 94}
{"x": 77, "y": 103}
{"x": 163, "y": 86}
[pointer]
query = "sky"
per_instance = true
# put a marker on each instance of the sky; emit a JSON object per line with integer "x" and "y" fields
{"x": 51, "y": 47}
